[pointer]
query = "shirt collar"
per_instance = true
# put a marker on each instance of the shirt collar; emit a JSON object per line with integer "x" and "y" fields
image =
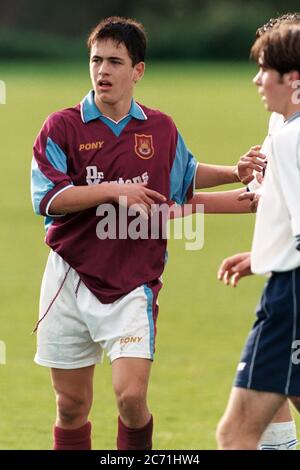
{"x": 89, "y": 110}
{"x": 294, "y": 116}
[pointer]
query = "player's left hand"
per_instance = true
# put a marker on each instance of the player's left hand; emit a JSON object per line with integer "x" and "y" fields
{"x": 252, "y": 161}
{"x": 235, "y": 267}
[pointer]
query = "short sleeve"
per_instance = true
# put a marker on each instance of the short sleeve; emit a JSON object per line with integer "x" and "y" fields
{"x": 49, "y": 168}
{"x": 183, "y": 173}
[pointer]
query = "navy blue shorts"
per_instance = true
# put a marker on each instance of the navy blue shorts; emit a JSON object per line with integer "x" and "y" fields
{"x": 270, "y": 360}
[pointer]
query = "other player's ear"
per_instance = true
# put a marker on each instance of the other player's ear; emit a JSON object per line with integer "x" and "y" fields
{"x": 138, "y": 72}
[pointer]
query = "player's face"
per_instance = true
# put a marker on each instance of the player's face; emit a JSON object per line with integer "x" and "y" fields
{"x": 112, "y": 73}
{"x": 272, "y": 89}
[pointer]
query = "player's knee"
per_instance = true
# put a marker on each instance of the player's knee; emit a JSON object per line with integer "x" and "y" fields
{"x": 230, "y": 437}
{"x": 131, "y": 401}
{"x": 224, "y": 435}
{"x": 72, "y": 409}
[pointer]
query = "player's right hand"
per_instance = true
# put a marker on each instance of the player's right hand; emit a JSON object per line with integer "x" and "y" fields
{"x": 139, "y": 197}
{"x": 235, "y": 267}
{"x": 252, "y": 161}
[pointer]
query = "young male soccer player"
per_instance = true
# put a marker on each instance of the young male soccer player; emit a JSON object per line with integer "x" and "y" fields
{"x": 269, "y": 370}
{"x": 281, "y": 433}
{"x": 101, "y": 294}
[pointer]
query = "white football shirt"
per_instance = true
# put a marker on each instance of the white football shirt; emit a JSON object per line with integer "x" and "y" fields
{"x": 278, "y": 213}
{"x": 276, "y": 123}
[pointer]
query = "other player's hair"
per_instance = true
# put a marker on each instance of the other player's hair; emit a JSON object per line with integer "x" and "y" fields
{"x": 122, "y": 30}
{"x": 286, "y": 18}
{"x": 278, "y": 48}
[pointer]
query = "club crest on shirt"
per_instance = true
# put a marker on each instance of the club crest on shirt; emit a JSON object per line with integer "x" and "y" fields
{"x": 144, "y": 146}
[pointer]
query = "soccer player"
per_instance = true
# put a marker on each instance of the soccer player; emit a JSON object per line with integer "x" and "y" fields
{"x": 269, "y": 369}
{"x": 99, "y": 294}
{"x": 281, "y": 433}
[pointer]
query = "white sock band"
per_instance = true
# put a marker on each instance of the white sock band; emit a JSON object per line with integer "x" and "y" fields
{"x": 279, "y": 436}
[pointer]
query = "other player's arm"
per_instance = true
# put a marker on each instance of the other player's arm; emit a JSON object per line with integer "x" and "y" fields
{"x": 222, "y": 202}
{"x": 235, "y": 267}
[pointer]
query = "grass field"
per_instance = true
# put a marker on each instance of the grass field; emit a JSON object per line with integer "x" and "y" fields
{"x": 202, "y": 324}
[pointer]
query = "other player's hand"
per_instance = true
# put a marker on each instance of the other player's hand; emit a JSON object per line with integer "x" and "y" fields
{"x": 235, "y": 267}
{"x": 253, "y": 198}
{"x": 252, "y": 161}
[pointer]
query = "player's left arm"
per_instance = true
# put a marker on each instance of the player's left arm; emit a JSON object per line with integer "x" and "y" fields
{"x": 185, "y": 179}
{"x": 208, "y": 176}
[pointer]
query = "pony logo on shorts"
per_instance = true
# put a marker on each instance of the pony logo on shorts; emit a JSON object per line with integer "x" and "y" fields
{"x": 144, "y": 146}
{"x": 131, "y": 339}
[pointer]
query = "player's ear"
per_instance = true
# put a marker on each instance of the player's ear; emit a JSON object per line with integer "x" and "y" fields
{"x": 292, "y": 77}
{"x": 138, "y": 71}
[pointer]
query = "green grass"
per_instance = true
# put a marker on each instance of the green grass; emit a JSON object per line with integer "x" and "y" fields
{"x": 202, "y": 324}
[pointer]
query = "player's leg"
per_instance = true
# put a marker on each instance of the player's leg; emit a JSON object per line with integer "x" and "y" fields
{"x": 74, "y": 396}
{"x": 266, "y": 360}
{"x": 64, "y": 344}
{"x": 283, "y": 414}
{"x": 130, "y": 381}
{"x": 126, "y": 330}
{"x": 247, "y": 415}
{"x": 281, "y": 433}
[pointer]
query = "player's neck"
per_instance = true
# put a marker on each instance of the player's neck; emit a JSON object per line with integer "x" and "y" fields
{"x": 292, "y": 107}
{"x": 114, "y": 111}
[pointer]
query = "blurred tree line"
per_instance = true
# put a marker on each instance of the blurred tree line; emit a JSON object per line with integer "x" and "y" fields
{"x": 177, "y": 29}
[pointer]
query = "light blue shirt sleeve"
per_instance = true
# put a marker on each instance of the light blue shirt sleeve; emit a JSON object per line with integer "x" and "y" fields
{"x": 182, "y": 173}
{"x": 54, "y": 161}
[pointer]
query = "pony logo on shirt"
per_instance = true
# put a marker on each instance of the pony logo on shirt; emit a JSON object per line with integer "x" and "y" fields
{"x": 144, "y": 146}
{"x": 91, "y": 146}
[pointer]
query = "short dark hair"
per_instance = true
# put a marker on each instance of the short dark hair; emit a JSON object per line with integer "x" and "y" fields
{"x": 286, "y": 18}
{"x": 122, "y": 30}
{"x": 279, "y": 48}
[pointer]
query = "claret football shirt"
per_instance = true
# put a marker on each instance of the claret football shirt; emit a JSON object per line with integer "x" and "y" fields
{"x": 80, "y": 146}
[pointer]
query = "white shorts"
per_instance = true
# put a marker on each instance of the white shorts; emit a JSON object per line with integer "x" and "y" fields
{"x": 75, "y": 327}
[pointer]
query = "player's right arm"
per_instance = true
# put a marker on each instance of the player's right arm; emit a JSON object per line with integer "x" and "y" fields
{"x": 55, "y": 194}
{"x": 235, "y": 267}
{"x": 78, "y": 198}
